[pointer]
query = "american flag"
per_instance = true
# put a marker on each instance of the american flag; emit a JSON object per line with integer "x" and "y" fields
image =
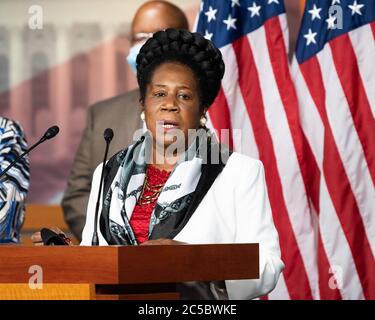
{"x": 258, "y": 98}
{"x": 313, "y": 131}
{"x": 334, "y": 74}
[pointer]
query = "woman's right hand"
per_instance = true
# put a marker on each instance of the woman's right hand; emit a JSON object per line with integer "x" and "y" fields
{"x": 36, "y": 238}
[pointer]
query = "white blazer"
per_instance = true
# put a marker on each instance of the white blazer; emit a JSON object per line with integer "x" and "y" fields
{"x": 235, "y": 209}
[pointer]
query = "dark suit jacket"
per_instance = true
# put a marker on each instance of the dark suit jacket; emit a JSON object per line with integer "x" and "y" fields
{"x": 122, "y": 114}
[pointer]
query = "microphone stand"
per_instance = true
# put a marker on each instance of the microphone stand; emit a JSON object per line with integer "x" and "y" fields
{"x": 108, "y": 135}
{"x": 50, "y": 133}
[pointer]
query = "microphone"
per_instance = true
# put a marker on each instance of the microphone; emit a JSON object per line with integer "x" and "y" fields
{"x": 108, "y": 136}
{"x": 49, "y": 134}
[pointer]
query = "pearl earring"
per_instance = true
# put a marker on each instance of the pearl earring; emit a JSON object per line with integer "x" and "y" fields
{"x": 203, "y": 120}
{"x": 143, "y": 116}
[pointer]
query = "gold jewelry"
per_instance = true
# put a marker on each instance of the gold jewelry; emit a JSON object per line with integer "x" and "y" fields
{"x": 155, "y": 189}
{"x": 143, "y": 116}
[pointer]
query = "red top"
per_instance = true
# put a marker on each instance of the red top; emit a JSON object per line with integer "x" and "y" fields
{"x": 140, "y": 218}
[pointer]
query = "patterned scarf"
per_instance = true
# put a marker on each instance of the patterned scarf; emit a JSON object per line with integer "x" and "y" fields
{"x": 125, "y": 175}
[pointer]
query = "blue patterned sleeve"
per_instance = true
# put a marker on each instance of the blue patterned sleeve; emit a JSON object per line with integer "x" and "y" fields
{"x": 15, "y": 183}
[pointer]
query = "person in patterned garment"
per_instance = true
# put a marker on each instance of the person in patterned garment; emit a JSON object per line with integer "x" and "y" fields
{"x": 14, "y": 184}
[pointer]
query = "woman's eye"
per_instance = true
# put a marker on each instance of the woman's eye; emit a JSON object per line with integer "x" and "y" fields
{"x": 159, "y": 94}
{"x": 184, "y": 96}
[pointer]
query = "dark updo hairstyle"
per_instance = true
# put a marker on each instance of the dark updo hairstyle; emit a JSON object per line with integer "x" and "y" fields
{"x": 190, "y": 49}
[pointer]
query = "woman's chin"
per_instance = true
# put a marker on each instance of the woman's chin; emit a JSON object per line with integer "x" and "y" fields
{"x": 171, "y": 144}
{"x": 170, "y": 137}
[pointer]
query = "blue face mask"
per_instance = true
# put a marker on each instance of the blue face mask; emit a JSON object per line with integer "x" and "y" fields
{"x": 132, "y": 56}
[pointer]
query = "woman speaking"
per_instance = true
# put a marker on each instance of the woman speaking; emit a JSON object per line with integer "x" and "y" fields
{"x": 177, "y": 184}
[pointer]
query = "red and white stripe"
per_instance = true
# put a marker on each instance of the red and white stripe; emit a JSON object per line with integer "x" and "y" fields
{"x": 258, "y": 97}
{"x": 336, "y": 91}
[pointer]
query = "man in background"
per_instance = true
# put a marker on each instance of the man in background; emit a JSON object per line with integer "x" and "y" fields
{"x": 121, "y": 113}
{"x": 15, "y": 183}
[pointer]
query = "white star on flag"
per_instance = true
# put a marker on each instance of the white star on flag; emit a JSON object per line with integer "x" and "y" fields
{"x": 331, "y": 22}
{"x": 230, "y": 22}
{"x": 310, "y": 37}
{"x": 273, "y": 1}
{"x": 235, "y": 3}
{"x": 315, "y": 12}
{"x": 208, "y": 35}
{"x": 335, "y": 1}
{"x": 211, "y": 14}
{"x": 356, "y": 8}
{"x": 254, "y": 10}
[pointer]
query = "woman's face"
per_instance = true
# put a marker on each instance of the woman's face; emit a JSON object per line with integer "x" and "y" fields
{"x": 172, "y": 104}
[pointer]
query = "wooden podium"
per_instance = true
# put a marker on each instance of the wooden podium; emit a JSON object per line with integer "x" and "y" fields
{"x": 118, "y": 272}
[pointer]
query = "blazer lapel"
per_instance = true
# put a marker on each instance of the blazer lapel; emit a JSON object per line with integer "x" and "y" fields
{"x": 208, "y": 176}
